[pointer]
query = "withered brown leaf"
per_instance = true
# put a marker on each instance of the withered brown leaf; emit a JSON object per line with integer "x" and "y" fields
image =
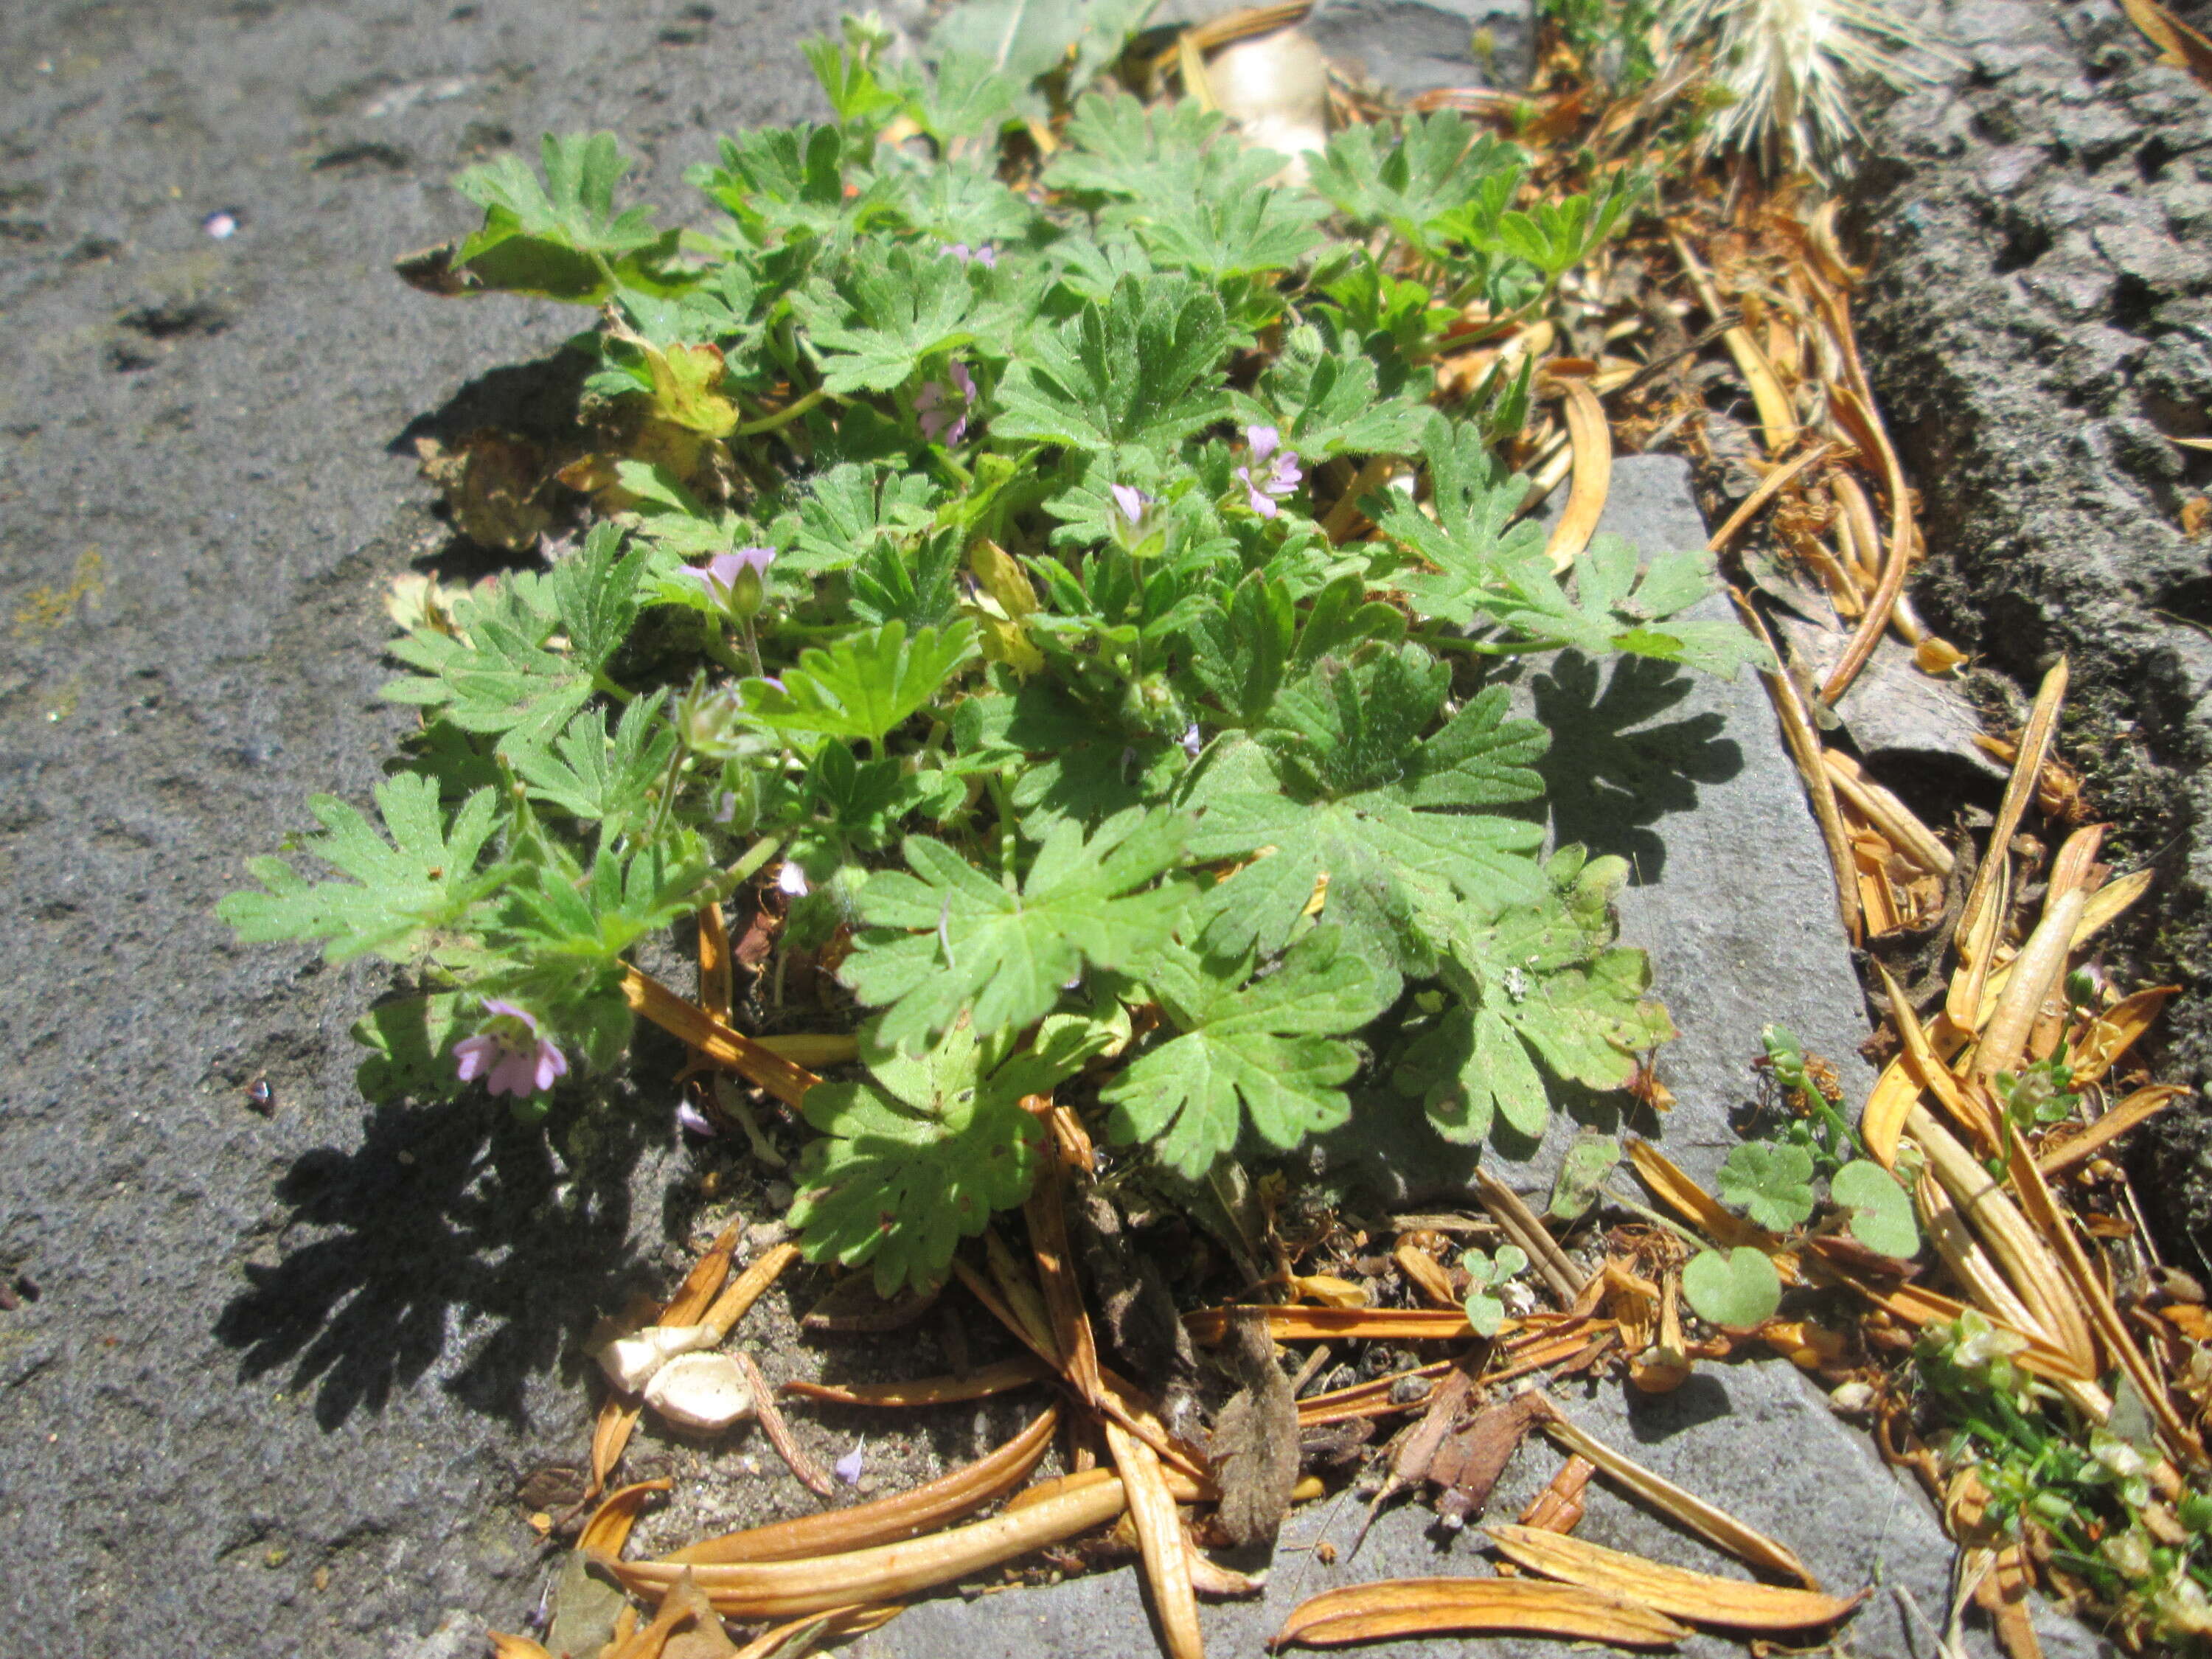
{"x": 1255, "y": 1438}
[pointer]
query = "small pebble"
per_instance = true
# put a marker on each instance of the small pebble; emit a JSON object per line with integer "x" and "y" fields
{"x": 221, "y": 224}
{"x": 1406, "y": 1390}
{"x": 779, "y": 1195}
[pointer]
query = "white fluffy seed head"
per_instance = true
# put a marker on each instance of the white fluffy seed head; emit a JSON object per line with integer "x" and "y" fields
{"x": 1786, "y": 66}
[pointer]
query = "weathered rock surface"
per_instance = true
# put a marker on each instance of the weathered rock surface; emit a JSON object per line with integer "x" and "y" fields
{"x": 2039, "y": 331}
{"x": 281, "y": 1373}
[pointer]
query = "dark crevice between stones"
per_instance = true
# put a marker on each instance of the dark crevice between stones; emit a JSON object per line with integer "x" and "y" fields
{"x": 2037, "y": 430}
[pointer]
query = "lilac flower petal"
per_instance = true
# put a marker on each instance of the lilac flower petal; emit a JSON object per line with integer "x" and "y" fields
{"x": 508, "y": 1011}
{"x": 692, "y": 1120}
{"x": 758, "y": 559}
{"x": 474, "y": 1057}
{"x": 1259, "y": 503}
{"x": 551, "y": 1064}
{"x": 790, "y": 881}
{"x": 511, "y": 1076}
{"x": 848, "y": 1467}
{"x": 1130, "y": 500}
{"x": 1284, "y": 478}
{"x": 959, "y": 251}
{"x": 962, "y": 379}
{"x": 1263, "y": 440}
{"x": 989, "y": 255}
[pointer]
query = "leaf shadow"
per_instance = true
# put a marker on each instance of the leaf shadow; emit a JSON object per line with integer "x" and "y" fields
{"x": 451, "y": 1223}
{"x": 1612, "y": 774}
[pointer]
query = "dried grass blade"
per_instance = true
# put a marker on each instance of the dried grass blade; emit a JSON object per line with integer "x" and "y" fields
{"x": 2106, "y": 906}
{"x": 2021, "y": 1255}
{"x": 810, "y": 1475}
{"x": 1342, "y": 1405}
{"x": 1471, "y": 1607}
{"x": 2115, "y": 1031}
{"x": 746, "y": 1289}
{"x": 1917, "y": 1305}
{"x": 1716, "y": 1526}
{"x": 800, "y": 1636}
{"x": 504, "y": 1646}
{"x": 1804, "y": 745}
{"x": 768, "y": 1590}
{"x": 1047, "y": 1213}
{"x": 1928, "y": 1070}
{"x": 2177, "y": 42}
{"x": 609, "y": 1529}
{"x": 1699, "y": 1598}
{"x": 1769, "y": 486}
{"x": 1969, "y": 1264}
{"x": 1882, "y": 1123}
{"x": 814, "y": 1049}
{"x": 748, "y": 1058}
{"x": 1866, "y": 430}
{"x": 611, "y": 1432}
{"x": 1160, "y": 1539}
{"x": 2035, "y": 975}
{"x": 1003, "y": 1376}
{"x": 714, "y": 971}
{"x": 2144, "y": 1103}
{"x": 1889, "y": 815}
{"x": 1208, "y": 1325}
{"x": 1964, "y": 1004}
{"x": 1591, "y": 438}
{"x": 887, "y": 1520}
{"x": 2181, "y": 1443}
{"x": 1557, "y": 1269}
{"x": 1023, "y": 1297}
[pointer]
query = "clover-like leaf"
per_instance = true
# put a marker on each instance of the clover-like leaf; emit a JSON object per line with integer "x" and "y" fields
{"x": 1739, "y": 1288}
{"x": 948, "y": 940}
{"x": 1881, "y": 1215}
{"x": 1769, "y": 1181}
{"x": 1265, "y": 1049}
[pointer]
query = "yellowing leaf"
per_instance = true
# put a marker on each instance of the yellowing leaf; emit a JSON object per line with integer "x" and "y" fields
{"x": 1005, "y": 635}
{"x": 1699, "y": 1597}
{"x": 1435, "y": 1606}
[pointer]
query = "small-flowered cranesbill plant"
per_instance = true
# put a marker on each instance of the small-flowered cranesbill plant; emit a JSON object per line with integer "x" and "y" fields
{"x": 1068, "y": 588}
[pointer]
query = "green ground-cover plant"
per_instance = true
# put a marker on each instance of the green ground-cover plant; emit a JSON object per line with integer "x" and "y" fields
{"x": 982, "y": 554}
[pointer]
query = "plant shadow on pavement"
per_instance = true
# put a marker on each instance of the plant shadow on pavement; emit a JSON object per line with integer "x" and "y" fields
{"x": 450, "y": 1217}
{"x": 1611, "y": 775}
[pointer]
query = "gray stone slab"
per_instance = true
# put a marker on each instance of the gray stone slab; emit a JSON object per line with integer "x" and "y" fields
{"x": 1410, "y": 46}
{"x": 1684, "y": 775}
{"x": 1406, "y": 46}
{"x": 1752, "y": 1438}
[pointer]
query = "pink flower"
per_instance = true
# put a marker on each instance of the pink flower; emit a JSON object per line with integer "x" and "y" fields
{"x": 1282, "y": 479}
{"x": 848, "y": 1469}
{"x": 944, "y": 407}
{"x": 519, "y": 1061}
{"x": 735, "y": 580}
{"x": 790, "y": 881}
{"x": 986, "y": 256}
{"x": 1132, "y": 502}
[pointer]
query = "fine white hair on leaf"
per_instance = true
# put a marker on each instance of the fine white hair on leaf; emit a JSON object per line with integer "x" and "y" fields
{"x": 1787, "y": 65}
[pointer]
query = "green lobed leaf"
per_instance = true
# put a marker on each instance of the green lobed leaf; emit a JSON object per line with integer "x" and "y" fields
{"x": 865, "y": 686}
{"x": 398, "y": 897}
{"x": 1263, "y": 1049}
{"x": 948, "y": 940}
{"x": 1142, "y": 368}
